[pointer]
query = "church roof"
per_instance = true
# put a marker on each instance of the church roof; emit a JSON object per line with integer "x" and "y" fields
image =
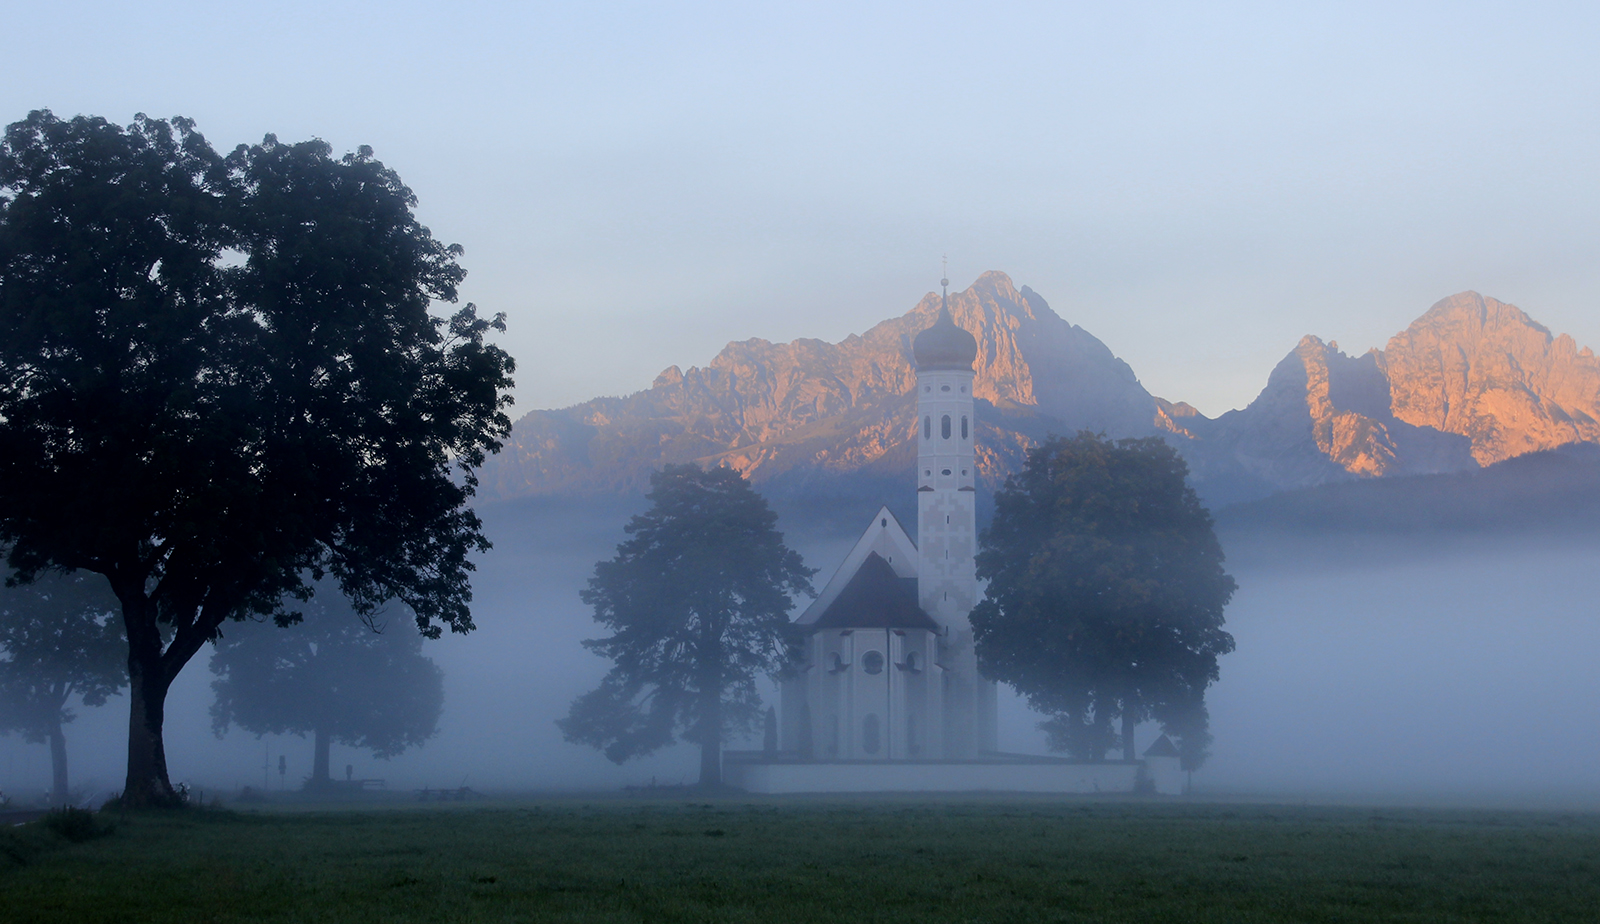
{"x": 1162, "y": 748}
{"x": 883, "y": 536}
{"x": 876, "y": 598}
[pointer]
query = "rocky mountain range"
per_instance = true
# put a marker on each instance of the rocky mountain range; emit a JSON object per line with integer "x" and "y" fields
{"x": 1471, "y": 382}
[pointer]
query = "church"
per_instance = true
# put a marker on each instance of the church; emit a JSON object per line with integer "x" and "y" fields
{"x": 887, "y": 694}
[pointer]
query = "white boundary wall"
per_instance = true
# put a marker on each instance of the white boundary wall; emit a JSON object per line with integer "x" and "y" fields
{"x": 933, "y": 776}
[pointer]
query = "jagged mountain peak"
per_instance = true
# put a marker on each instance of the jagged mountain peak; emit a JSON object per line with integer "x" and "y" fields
{"x": 1472, "y": 381}
{"x": 1484, "y": 369}
{"x": 776, "y": 410}
{"x": 1471, "y": 314}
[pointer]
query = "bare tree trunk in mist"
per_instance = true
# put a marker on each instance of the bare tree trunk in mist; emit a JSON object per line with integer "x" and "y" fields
{"x": 319, "y": 761}
{"x": 1127, "y": 734}
{"x": 58, "y": 765}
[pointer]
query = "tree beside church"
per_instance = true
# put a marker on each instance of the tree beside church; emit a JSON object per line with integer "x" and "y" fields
{"x": 697, "y": 601}
{"x": 1106, "y": 594}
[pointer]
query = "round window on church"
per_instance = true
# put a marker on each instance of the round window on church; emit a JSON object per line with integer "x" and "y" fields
{"x": 872, "y": 662}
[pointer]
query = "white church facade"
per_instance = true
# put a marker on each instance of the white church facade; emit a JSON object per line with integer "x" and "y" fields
{"x": 887, "y": 695}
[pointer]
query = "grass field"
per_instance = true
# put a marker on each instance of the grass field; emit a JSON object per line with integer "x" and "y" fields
{"x": 900, "y": 859}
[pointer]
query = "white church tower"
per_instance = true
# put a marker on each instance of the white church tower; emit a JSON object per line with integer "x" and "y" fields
{"x": 947, "y": 539}
{"x": 888, "y": 671}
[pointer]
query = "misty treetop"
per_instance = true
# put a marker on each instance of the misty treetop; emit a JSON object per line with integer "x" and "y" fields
{"x": 698, "y": 602}
{"x": 1106, "y": 593}
{"x": 221, "y": 376}
{"x": 60, "y": 637}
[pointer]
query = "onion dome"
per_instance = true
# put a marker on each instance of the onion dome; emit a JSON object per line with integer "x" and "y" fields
{"x": 944, "y": 345}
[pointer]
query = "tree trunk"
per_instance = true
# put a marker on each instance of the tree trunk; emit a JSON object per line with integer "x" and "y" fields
{"x": 151, "y": 669}
{"x": 1127, "y": 734}
{"x": 711, "y": 739}
{"x": 147, "y": 785}
{"x": 319, "y": 761}
{"x": 711, "y": 763}
{"x": 58, "y": 765}
{"x": 149, "y": 678}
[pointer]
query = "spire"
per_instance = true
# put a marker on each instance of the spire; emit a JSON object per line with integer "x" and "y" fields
{"x": 944, "y": 289}
{"x": 944, "y": 345}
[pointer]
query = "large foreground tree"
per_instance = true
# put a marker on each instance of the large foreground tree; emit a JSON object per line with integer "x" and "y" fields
{"x": 1106, "y": 594}
{"x": 220, "y": 378}
{"x": 60, "y": 637}
{"x": 336, "y": 676}
{"x": 698, "y": 603}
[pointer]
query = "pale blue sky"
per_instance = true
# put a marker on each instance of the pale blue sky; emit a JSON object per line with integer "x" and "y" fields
{"x": 637, "y": 184}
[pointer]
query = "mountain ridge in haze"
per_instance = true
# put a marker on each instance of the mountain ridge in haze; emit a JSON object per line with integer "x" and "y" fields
{"x": 807, "y": 411}
{"x": 1471, "y": 382}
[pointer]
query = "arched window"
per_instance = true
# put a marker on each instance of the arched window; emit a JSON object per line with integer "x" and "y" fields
{"x": 927, "y": 428}
{"x": 944, "y": 427}
{"x": 963, "y": 426}
{"x": 871, "y": 737}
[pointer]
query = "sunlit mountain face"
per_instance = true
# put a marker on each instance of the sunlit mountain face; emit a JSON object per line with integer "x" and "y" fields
{"x": 1471, "y": 382}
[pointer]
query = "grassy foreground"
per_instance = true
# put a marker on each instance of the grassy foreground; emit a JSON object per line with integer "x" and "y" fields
{"x": 799, "y": 860}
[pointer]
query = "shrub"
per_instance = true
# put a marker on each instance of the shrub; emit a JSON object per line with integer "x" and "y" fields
{"x": 77, "y": 825}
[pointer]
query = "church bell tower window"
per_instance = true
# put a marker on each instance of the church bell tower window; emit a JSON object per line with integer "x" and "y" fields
{"x": 927, "y": 428}
{"x": 944, "y": 427}
{"x": 963, "y": 426}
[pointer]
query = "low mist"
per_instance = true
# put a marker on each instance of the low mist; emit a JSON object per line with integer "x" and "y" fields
{"x": 1423, "y": 669}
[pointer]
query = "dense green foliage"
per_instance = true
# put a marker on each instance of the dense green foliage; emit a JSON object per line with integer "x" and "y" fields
{"x": 698, "y": 603}
{"x": 1106, "y": 593}
{"x": 334, "y": 676}
{"x": 805, "y": 860}
{"x": 59, "y": 638}
{"x": 220, "y": 375}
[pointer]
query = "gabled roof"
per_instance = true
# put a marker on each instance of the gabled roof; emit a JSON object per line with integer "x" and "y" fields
{"x": 876, "y": 598}
{"x": 885, "y": 537}
{"x": 1162, "y": 748}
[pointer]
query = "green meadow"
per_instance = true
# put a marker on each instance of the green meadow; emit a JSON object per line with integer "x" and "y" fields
{"x": 811, "y": 860}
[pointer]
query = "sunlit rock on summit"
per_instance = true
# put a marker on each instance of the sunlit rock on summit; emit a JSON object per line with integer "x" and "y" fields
{"x": 1471, "y": 382}
{"x": 809, "y": 412}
